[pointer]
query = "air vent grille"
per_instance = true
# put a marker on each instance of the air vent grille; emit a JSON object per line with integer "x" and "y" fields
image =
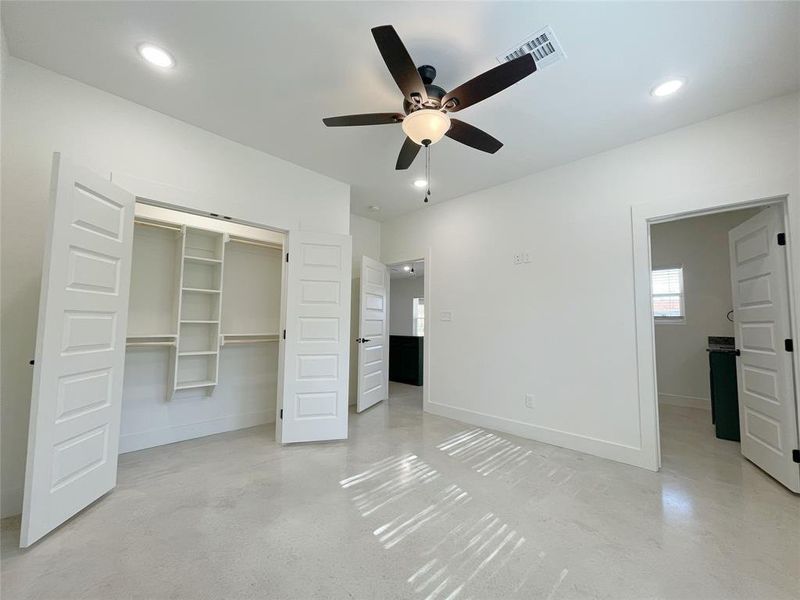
{"x": 543, "y": 45}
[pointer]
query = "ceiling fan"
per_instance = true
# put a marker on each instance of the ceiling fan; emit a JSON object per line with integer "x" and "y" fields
{"x": 426, "y": 105}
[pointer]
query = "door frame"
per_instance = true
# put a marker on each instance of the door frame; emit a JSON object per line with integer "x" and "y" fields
{"x": 426, "y": 344}
{"x": 710, "y": 202}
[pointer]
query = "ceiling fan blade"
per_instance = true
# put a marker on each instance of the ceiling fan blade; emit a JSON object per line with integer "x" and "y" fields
{"x": 407, "y": 154}
{"x": 472, "y": 136}
{"x": 399, "y": 63}
{"x": 489, "y": 83}
{"x": 365, "y": 119}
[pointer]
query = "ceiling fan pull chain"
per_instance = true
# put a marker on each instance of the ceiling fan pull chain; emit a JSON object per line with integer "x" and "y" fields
{"x": 428, "y": 170}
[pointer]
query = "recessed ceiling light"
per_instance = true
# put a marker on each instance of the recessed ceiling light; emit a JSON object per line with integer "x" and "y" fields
{"x": 373, "y": 207}
{"x": 667, "y": 88}
{"x": 156, "y": 56}
{"x": 421, "y": 183}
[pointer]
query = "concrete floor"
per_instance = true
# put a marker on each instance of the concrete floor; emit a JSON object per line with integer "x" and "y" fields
{"x": 417, "y": 506}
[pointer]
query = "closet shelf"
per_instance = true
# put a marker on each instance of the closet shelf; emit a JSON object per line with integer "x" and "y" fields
{"x": 199, "y": 321}
{"x": 186, "y": 385}
{"x": 141, "y": 344}
{"x": 198, "y": 353}
{"x": 169, "y": 339}
{"x": 202, "y": 259}
{"x": 201, "y": 290}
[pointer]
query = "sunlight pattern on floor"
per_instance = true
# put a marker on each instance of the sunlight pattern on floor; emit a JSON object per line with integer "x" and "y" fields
{"x": 485, "y": 452}
{"x": 391, "y": 479}
{"x": 482, "y": 548}
{"x": 396, "y": 530}
{"x": 461, "y": 548}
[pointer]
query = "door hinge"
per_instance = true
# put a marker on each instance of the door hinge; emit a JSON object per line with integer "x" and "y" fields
{"x": 781, "y": 239}
{"x": 284, "y": 334}
{"x": 796, "y": 456}
{"x": 287, "y": 257}
{"x": 738, "y": 352}
{"x": 281, "y": 414}
{"x": 789, "y": 345}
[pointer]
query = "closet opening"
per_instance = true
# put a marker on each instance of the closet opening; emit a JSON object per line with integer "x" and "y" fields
{"x": 204, "y": 323}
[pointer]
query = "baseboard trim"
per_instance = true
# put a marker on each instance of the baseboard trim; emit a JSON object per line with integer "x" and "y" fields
{"x": 630, "y": 455}
{"x": 132, "y": 442}
{"x": 685, "y": 401}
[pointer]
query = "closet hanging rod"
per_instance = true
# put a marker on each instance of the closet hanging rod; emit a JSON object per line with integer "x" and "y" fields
{"x": 150, "y": 344}
{"x": 250, "y": 341}
{"x": 242, "y": 240}
{"x": 159, "y": 225}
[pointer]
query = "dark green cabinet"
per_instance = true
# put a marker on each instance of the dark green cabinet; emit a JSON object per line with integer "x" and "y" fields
{"x": 405, "y": 359}
{"x": 724, "y": 394}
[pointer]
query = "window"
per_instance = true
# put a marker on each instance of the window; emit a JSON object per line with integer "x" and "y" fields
{"x": 667, "y": 289}
{"x": 419, "y": 317}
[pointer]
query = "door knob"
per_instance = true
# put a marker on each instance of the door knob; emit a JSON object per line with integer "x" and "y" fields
{"x": 362, "y": 340}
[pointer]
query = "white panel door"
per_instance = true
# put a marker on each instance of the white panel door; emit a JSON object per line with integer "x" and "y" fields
{"x": 317, "y": 346}
{"x": 80, "y": 349}
{"x": 373, "y": 334}
{"x": 767, "y": 409}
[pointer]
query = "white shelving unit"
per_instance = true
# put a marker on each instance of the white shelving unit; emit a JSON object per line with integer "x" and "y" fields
{"x": 202, "y": 261}
{"x": 195, "y": 364}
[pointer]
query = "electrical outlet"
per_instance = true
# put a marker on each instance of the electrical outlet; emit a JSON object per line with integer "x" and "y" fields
{"x": 517, "y": 259}
{"x": 446, "y": 315}
{"x": 529, "y": 401}
{"x": 526, "y": 257}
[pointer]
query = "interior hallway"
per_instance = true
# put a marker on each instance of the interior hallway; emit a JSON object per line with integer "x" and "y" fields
{"x": 418, "y": 506}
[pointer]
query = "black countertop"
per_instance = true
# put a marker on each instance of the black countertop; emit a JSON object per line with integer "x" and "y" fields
{"x": 721, "y": 344}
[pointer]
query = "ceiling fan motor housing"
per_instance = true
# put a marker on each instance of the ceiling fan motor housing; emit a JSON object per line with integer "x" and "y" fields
{"x": 435, "y": 93}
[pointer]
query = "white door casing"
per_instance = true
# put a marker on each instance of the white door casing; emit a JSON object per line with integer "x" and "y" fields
{"x": 314, "y": 400}
{"x": 373, "y": 340}
{"x": 767, "y": 407}
{"x": 80, "y": 349}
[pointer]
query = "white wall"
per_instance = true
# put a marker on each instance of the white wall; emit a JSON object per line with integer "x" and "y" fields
{"x": 700, "y": 245}
{"x": 563, "y": 326}
{"x": 44, "y": 112}
{"x": 366, "y": 242}
{"x": 402, "y": 292}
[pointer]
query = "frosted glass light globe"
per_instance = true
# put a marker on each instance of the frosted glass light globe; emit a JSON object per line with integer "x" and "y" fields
{"x": 426, "y": 124}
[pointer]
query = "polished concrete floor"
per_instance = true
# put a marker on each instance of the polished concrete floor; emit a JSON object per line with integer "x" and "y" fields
{"x": 417, "y": 506}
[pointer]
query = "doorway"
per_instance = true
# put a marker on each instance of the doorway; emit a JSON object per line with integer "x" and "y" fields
{"x": 720, "y": 316}
{"x": 695, "y": 342}
{"x": 407, "y": 323}
{"x": 390, "y": 335}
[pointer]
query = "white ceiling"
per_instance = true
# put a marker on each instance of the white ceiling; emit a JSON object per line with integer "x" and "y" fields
{"x": 264, "y": 74}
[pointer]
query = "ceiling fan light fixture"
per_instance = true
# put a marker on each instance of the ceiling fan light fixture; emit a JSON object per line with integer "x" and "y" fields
{"x": 420, "y": 183}
{"x": 426, "y": 124}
